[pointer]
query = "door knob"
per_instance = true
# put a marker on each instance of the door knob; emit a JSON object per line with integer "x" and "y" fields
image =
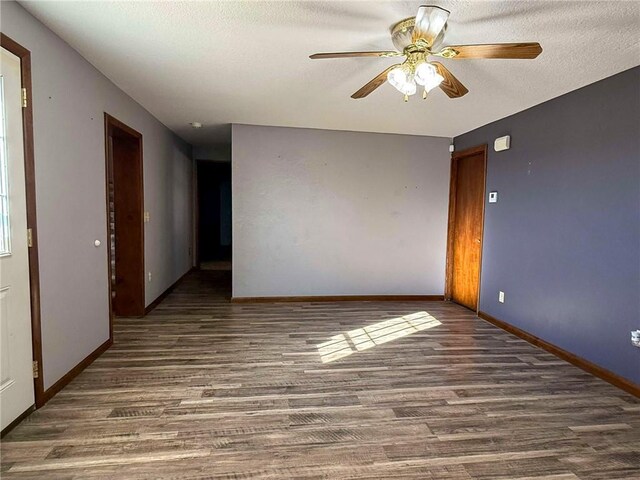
{"x": 477, "y": 240}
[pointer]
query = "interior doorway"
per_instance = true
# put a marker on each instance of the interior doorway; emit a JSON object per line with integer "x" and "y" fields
{"x": 125, "y": 218}
{"x": 214, "y": 215}
{"x": 466, "y": 220}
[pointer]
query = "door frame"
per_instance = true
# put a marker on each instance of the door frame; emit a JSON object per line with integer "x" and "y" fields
{"x": 455, "y": 156}
{"x": 196, "y": 213}
{"x": 110, "y": 123}
{"x": 30, "y": 180}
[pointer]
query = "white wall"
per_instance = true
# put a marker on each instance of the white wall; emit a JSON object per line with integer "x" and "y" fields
{"x": 320, "y": 212}
{"x": 69, "y": 98}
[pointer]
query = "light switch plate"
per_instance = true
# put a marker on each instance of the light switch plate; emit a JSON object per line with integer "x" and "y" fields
{"x": 501, "y": 297}
{"x": 493, "y": 197}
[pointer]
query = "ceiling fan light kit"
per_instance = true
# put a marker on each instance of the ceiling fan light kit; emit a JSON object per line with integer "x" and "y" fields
{"x": 420, "y": 37}
{"x": 414, "y": 71}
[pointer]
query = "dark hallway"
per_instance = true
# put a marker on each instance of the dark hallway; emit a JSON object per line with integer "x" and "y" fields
{"x": 214, "y": 215}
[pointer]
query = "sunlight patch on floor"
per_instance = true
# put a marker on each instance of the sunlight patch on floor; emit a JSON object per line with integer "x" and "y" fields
{"x": 360, "y": 339}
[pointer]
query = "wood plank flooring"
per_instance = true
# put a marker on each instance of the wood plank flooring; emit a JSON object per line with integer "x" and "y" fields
{"x": 205, "y": 389}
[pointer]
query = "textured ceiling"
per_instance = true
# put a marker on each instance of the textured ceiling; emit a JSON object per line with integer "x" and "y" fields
{"x": 247, "y": 62}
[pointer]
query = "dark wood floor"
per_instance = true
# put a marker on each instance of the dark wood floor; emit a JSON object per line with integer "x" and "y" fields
{"x": 204, "y": 389}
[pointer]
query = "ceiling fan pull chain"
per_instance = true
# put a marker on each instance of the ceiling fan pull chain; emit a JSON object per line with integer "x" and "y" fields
{"x": 406, "y": 98}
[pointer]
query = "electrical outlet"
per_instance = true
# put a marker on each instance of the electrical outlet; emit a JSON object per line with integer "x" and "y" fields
{"x": 149, "y": 276}
{"x": 635, "y": 338}
{"x": 501, "y": 297}
{"x": 147, "y": 217}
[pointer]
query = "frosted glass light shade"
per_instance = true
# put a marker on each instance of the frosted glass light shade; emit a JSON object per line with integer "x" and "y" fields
{"x": 402, "y": 80}
{"x": 437, "y": 43}
{"x": 397, "y": 77}
{"x": 410, "y": 86}
{"x": 428, "y": 76}
{"x": 430, "y": 21}
{"x": 402, "y": 38}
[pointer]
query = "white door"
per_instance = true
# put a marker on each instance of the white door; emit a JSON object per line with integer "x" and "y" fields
{"x": 16, "y": 382}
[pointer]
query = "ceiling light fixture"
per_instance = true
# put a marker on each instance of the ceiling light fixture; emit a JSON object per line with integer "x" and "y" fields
{"x": 403, "y": 79}
{"x": 196, "y": 124}
{"x": 414, "y": 71}
{"x": 420, "y": 37}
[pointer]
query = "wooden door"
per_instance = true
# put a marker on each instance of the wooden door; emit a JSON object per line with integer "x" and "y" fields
{"x": 16, "y": 354}
{"x": 466, "y": 214}
{"x": 125, "y": 200}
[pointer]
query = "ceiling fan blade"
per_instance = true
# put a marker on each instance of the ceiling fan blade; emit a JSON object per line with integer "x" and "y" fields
{"x": 373, "y": 84}
{"x": 498, "y": 50}
{"x": 450, "y": 85}
{"x": 355, "y": 54}
{"x": 430, "y": 21}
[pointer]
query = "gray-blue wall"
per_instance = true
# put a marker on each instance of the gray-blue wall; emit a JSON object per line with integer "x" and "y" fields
{"x": 563, "y": 241}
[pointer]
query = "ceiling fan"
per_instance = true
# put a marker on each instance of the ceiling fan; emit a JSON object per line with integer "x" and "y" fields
{"x": 417, "y": 39}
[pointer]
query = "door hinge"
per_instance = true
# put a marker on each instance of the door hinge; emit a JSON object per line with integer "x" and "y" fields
{"x": 29, "y": 237}
{"x": 24, "y": 97}
{"x": 36, "y": 370}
